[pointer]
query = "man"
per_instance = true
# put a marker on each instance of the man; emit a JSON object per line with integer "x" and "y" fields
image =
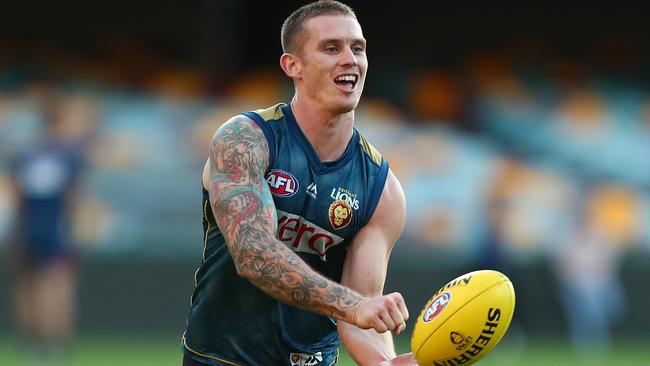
{"x": 45, "y": 180}
{"x": 300, "y": 217}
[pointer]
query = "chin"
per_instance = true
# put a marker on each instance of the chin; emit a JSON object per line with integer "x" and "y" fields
{"x": 347, "y": 105}
{"x": 342, "y": 109}
{"x": 347, "y": 108}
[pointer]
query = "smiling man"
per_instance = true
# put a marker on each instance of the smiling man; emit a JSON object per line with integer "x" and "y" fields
{"x": 300, "y": 214}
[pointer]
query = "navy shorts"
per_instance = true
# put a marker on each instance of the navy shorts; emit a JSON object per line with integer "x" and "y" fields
{"x": 189, "y": 361}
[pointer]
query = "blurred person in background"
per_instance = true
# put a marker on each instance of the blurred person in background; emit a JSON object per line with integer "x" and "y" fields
{"x": 300, "y": 215}
{"x": 492, "y": 249}
{"x": 44, "y": 270}
{"x": 591, "y": 292}
{"x": 493, "y": 243}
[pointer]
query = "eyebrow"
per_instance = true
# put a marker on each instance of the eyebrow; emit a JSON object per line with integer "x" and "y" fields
{"x": 339, "y": 40}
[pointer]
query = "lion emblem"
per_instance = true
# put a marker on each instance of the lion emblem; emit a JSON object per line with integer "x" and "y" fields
{"x": 340, "y": 214}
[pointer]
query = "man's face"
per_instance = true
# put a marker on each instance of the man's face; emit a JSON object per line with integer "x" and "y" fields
{"x": 334, "y": 62}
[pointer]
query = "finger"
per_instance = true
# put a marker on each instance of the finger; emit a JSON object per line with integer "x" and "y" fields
{"x": 399, "y": 321}
{"x": 395, "y": 311}
{"x": 402, "y": 307}
{"x": 380, "y": 326}
{"x": 386, "y": 318}
{"x": 400, "y": 329}
{"x": 399, "y": 300}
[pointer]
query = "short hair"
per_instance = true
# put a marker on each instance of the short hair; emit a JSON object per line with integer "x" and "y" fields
{"x": 292, "y": 28}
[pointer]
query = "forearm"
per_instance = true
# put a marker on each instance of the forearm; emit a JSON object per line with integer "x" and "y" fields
{"x": 366, "y": 347}
{"x": 279, "y": 272}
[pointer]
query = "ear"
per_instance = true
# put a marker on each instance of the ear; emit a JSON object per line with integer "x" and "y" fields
{"x": 291, "y": 65}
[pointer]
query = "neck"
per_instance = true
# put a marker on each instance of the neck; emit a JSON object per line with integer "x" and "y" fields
{"x": 327, "y": 132}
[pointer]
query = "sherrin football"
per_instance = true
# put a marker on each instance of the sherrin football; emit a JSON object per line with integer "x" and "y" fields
{"x": 464, "y": 320}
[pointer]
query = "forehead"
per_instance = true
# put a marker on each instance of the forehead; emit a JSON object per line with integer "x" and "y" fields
{"x": 343, "y": 27}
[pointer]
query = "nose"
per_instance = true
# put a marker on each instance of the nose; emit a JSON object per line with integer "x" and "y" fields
{"x": 349, "y": 58}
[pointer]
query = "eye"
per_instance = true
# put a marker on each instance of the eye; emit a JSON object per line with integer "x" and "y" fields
{"x": 331, "y": 49}
{"x": 358, "y": 49}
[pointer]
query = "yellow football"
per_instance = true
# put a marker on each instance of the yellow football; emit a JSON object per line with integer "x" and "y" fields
{"x": 464, "y": 320}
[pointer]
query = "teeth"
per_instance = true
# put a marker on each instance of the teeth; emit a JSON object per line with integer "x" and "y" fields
{"x": 351, "y": 78}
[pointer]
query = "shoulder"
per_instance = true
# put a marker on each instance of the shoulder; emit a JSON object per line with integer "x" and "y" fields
{"x": 369, "y": 150}
{"x": 256, "y": 121}
{"x": 239, "y": 122}
{"x": 390, "y": 214}
{"x": 236, "y": 140}
{"x": 272, "y": 113}
{"x": 239, "y": 132}
{"x": 392, "y": 197}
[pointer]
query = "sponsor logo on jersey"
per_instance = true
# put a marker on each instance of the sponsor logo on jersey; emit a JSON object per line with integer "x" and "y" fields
{"x": 312, "y": 190}
{"x": 436, "y": 307}
{"x": 340, "y": 214}
{"x": 282, "y": 183}
{"x": 304, "y": 236}
{"x": 342, "y": 194}
{"x": 305, "y": 359}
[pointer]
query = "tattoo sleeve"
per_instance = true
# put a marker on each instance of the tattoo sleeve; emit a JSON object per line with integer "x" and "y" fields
{"x": 245, "y": 212}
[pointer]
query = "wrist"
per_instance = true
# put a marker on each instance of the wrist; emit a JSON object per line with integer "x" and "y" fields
{"x": 352, "y": 317}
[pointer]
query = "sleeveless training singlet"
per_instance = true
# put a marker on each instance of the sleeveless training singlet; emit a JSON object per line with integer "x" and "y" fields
{"x": 320, "y": 207}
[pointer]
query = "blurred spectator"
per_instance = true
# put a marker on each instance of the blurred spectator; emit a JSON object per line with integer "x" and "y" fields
{"x": 494, "y": 247}
{"x": 43, "y": 258}
{"x": 494, "y": 241}
{"x": 587, "y": 266}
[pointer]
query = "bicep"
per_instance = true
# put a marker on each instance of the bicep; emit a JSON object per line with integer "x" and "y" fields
{"x": 367, "y": 260}
{"x": 239, "y": 196}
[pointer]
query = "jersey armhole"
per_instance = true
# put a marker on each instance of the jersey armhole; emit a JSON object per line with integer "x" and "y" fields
{"x": 377, "y": 189}
{"x": 268, "y": 133}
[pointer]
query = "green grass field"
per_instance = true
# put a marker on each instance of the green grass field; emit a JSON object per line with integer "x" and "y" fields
{"x": 163, "y": 350}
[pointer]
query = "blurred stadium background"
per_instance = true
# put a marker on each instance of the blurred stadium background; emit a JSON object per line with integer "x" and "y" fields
{"x": 508, "y": 125}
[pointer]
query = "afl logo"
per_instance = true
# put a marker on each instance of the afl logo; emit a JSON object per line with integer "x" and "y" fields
{"x": 282, "y": 183}
{"x": 340, "y": 214}
{"x": 436, "y": 307}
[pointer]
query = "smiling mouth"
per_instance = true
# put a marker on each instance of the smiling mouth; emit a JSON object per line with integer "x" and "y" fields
{"x": 347, "y": 81}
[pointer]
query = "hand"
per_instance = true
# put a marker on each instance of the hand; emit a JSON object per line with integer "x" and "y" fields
{"x": 383, "y": 313}
{"x": 406, "y": 359}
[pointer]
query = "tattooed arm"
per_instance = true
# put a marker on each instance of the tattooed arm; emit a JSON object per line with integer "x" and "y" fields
{"x": 245, "y": 213}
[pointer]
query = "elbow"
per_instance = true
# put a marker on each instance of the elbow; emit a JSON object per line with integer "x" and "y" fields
{"x": 241, "y": 262}
{"x": 248, "y": 271}
{"x": 245, "y": 272}
{"x": 251, "y": 261}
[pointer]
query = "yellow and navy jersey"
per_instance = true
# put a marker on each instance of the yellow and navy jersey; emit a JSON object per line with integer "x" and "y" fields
{"x": 320, "y": 207}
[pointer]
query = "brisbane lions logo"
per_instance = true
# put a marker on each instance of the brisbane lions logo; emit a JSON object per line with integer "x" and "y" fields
{"x": 340, "y": 214}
